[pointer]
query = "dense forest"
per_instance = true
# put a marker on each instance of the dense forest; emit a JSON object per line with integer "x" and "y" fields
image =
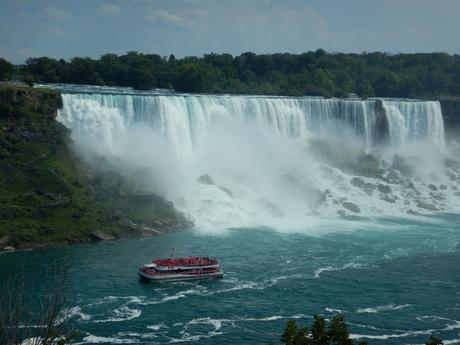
{"x": 314, "y": 73}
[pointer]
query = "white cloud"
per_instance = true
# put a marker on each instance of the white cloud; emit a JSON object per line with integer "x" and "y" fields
{"x": 169, "y": 18}
{"x": 55, "y": 13}
{"x": 109, "y": 10}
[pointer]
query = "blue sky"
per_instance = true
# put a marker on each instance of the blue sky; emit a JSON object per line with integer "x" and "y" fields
{"x": 64, "y": 28}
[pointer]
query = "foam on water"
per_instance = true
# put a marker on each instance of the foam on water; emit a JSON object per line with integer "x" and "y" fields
{"x": 381, "y": 308}
{"x": 122, "y": 314}
{"x": 318, "y": 271}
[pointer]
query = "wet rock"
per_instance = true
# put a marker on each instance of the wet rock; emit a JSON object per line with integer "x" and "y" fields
{"x": 411, "y": 185}
{"x": 350, "y": 206}
{"x": 206, "y": 179}
{"x": 393, "y": 176}
{"x": 368, "y": 165}
{"x": 390, "y": 198}
{"x": 341, "y": 213}
{"x": 101, "y": 236}
{"x": 400, "y": 164}
{"x": 427, "y": 206}
{"x": 412, "y": 212}
{"x": 227, "y": 191}
{"x": 9, "y": 248}
{"x": 452, "y": 163}
{"x": 432, "y": 187}
{"x": 358, "y": 182}
{"x": 384, "y": 189}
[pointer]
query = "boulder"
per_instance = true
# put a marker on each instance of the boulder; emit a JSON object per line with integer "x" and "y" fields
{"x": 368, "y": 165}
{"x": 426, "y": 206}
{"x": 384, "y": 189}
{"x": 227, "y": 191}
{"x": 341, "y": 213}
{"x": 393, "y": 176}
{"x": 101, "y": 236}
{"x": 358, "y": 182}
{"x": 400, "y": 164}
{"x": 350, "y": 206}
{"x": 390, "y": 198}
{"x": 432, "y": 187}
{"x": 206, "y": 179}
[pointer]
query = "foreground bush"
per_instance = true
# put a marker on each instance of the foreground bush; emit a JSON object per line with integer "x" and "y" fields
{"x": 336, "y": 333}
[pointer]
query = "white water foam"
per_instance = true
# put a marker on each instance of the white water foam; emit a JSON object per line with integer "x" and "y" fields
{"x": 454, "y": 325}
{"x": 317, "y": 272}
{"x": 157, "y": 327}
{"x": 122, "y": 314}
{"x": 380, "y": 308}
{"x": 93, "y": 339}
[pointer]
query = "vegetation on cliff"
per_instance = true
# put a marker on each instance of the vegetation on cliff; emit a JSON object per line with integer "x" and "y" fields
{"x": 312, "y": 73}
{"x": 47, "y": 194}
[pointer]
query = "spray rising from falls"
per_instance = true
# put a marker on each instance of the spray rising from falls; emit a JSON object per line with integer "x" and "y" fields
{"x": 276, "y": 161}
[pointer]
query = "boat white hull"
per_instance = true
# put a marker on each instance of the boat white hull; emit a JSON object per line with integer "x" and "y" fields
{"x": 180, "y": 277}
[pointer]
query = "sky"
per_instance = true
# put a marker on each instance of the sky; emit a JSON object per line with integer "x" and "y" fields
{"x": 65, "y": 28}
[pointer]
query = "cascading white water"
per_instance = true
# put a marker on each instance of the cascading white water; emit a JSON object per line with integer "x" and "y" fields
{"x": 412, "y": 122}
{"x": 183, "y": 119}
{"x": 261, "y": 153}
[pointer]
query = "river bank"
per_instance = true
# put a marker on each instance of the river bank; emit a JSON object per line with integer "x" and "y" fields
{"x": 49, "y": 196}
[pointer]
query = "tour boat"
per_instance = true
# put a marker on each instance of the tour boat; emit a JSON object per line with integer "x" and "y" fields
{"x": 174, "y": 269}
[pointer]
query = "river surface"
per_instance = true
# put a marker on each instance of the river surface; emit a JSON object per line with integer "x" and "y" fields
{"x": 395, "y": 281}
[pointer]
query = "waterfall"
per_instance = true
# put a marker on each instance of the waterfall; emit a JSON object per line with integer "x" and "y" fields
{"x": 269, "y": 160}
{"x": 414, "y": 122}
{"x": 182, "y": 120}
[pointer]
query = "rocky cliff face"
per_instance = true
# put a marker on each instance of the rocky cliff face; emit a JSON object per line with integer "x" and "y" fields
{"x": 47, "y": 195}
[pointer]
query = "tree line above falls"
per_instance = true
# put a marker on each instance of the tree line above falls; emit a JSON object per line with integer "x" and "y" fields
{"x": 314, "y": 73}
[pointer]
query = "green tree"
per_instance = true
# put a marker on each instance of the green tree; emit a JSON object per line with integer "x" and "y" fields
{"x": 311, "y": 73}
{"x": 434, "y": 341}
{"x": 289, "y": 333}
{"x": 338, "y": 332}
{"x": 6, "y": 69}
{"x": 319, "y": 332}
{"x": 29, "y": 80}
{"x": 335, "y": 334}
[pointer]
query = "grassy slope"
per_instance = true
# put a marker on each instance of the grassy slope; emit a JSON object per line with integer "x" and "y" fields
{"x": 48, "y": 195}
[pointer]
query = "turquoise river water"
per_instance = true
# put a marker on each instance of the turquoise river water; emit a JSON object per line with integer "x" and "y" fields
{"x": 395, "y": 281}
